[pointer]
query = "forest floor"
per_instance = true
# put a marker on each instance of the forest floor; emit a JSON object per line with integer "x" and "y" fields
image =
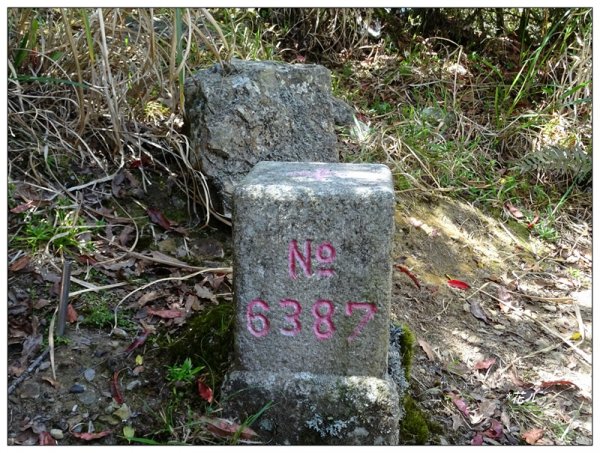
{"x": 504, "y": 361}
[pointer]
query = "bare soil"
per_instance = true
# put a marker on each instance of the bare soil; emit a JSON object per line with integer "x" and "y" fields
{"x": 493, "y": 363}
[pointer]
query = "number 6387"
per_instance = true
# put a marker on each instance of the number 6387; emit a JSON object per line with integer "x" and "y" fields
{"x": 323, "y": 327}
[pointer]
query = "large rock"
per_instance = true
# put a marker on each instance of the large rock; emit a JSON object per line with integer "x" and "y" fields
{"x": 248, "y": 111}
{"x": 312, "y": 264}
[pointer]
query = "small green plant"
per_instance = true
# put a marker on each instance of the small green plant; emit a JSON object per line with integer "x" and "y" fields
{"x": 58, "y": 228}
{"x": 61, "y": 340}
{"x": 97, "y": 312}
{"x": 184, "y": 372}
{"x": 98, "y": 315}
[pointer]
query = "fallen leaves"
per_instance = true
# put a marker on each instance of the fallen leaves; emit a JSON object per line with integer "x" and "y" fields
{"x": 495, "y": 429}
{"x": 138, "y": 341}
{"x": 561, "y": 383}
{"x": 477, "y": 440}
{"x": 513, "y": 211}
{"x": 166, "y": 313}
{"x": 477, "y": 311}
{"x": 460, "y": 405}
{"x": 412, "y": 276}
{"x": 71, "y": 314}
{"x": 46, "y": 439}
{"x": 116, "y": 389}
{"x": 19, "y": 264}
{"x": 160, "y": 219}
{"x": 535, "y": 220}
{"x": 459, "y": 284}
{"x": 221, "y": 427}
{"x": 90, "y": 436}
{"x": 204, "y": 391}
{"x": 484, "y": 364}
{"x": 427, "y": 349}
{"x": 533, "y": 435}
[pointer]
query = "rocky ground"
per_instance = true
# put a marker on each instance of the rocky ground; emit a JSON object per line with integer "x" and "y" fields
{"x": 502, "y": 354}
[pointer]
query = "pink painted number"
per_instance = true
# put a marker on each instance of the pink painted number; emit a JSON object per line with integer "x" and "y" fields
{"x": 323, "y": 327}
{"x": 292, "y": 318}
{"x": 258, "y": 324}
{"x": 370, "y": 310}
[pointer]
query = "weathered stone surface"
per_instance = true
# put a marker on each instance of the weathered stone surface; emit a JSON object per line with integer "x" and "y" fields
{"x": 315, "y": 409}
{"x": 250, "y": 111}
{"x": 343, "y": 213}
{"x": 312, "y": 263}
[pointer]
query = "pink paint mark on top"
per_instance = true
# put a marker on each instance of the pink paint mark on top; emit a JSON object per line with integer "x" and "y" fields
{"x": 320, "y": 174}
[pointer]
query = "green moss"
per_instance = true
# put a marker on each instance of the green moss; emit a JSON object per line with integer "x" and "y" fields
{"x": 414, "y": 427}
{"x": 97, "y": 312}
{"x": 206, "y": 339}
{"x": 407, "y": 350}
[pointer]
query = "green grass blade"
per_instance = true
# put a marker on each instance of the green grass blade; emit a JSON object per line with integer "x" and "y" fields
{"x": 88, "y": 35}
{"x": 27, "y": 44}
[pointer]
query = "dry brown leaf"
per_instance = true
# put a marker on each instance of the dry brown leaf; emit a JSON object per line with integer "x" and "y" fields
{"x": 514, "y": 377}
{"x": 54, "y": 383}
{"x": 427, "y": 348}
{"x": 226, "y": 428}
{"x": 71, "y": 314}
{"x": 484, "y": 364}
{"x": 533, "y": 435}
{"x": 515, "y": 212}
{"x": 478, "y": 312}
{"x": 148, "y": 297}
{"x": 169, "y": 260}
{"x": 204, "y": 293}
{"x": 126, "y": 235}
{"x": 20, "y": 264}
{"x": 166, "y": 314}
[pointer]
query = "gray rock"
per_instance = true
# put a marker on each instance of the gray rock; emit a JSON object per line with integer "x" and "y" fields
{"x": 87, "y": 397}
{"x": 249, "y": 111}
{"x": 133, "y": 384}
{"x": 77, "y": 388}
{"x": 312, "y": 260}
{"x": 315, "y": 409}
{"x": 30, "y": 390}
{"x": 57, "y": 434}
{"x": 89, "y": 374}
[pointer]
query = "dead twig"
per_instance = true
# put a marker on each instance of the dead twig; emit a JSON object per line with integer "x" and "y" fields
{"x": 64, "y": 298}
{"x": 185, "y": 277}
{"x": 28, "y": 371}
{"x": 585, "y": 356}
{"x": 51, "y": 342}
{"x": 94, "y": 288}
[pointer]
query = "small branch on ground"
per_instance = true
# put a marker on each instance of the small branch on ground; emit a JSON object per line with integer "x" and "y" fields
{"x": 28, "y": 371}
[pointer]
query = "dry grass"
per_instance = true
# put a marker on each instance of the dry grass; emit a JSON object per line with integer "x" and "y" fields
{"x": 100, "y": 89}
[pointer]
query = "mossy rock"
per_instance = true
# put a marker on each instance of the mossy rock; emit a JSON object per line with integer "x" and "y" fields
{"x": 416, "y": 427}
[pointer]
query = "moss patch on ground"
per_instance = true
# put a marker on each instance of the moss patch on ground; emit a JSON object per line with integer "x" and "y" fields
{"x": 206, "y": 339}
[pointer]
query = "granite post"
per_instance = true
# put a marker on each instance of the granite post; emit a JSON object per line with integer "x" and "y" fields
{"x": 312, "y": 280}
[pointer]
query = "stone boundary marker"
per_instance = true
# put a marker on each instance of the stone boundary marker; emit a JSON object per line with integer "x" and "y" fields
{"x": 312, "y": 262}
